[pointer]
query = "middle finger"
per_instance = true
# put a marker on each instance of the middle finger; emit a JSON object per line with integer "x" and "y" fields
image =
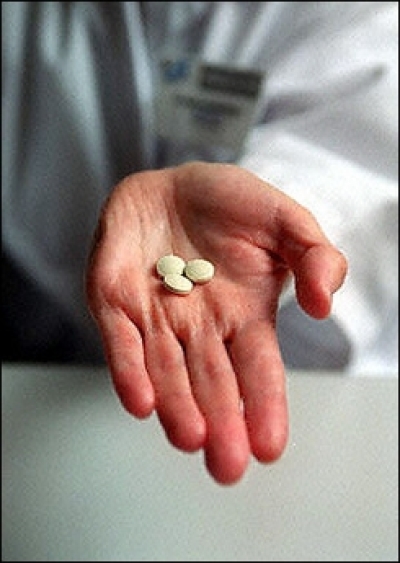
{"x": 215, "y": 388}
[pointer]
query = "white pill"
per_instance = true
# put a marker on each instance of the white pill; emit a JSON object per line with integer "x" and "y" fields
{"x": 177, "y": 284}
{"x": 199, "y": 270}
{"x": 170, "y": 264}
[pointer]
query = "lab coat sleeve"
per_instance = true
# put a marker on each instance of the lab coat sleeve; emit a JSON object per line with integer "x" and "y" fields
{"x": 329, "y": 138}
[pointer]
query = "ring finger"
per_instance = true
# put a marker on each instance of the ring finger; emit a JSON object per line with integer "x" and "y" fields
{"x": 176, "y": 407}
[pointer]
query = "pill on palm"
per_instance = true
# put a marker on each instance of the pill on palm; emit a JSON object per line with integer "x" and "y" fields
{"x": 177, "y": 284}
{"x": 199, "y": 270}
{"x": 170, "y": 264}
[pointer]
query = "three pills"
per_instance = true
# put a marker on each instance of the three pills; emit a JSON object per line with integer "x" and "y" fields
{"x": 179, "y": 276}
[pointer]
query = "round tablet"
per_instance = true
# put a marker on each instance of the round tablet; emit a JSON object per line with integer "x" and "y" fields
{"x": 170, "y": 264}
{"x": 178, "y": 284}
{"x": 199, "y": 270}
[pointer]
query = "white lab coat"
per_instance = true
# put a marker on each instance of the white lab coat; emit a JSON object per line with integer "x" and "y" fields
{"x": 79, "y": 84}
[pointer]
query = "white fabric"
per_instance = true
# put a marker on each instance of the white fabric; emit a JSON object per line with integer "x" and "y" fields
{"x": 79, "y": 81}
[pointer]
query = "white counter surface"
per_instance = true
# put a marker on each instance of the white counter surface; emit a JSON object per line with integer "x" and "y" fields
{"x": 84, "y": 481}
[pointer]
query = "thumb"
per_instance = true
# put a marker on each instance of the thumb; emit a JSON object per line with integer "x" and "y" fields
{"x": 318, "y": 273}
{"x": 318, "y": 266}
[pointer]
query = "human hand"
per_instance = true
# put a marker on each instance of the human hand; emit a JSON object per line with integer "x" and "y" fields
{"x": 209, "y": 362}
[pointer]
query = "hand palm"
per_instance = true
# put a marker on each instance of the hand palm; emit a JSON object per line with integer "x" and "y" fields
{"x": 197, "y": 357}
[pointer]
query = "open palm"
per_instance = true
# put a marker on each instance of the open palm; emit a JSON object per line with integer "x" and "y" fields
{"x": 208, "y": 362}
